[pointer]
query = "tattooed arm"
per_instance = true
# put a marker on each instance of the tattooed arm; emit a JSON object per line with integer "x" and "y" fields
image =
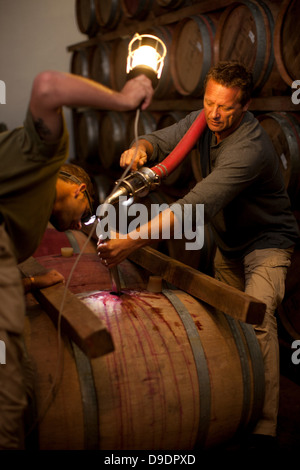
{"x": 51, "y": 90}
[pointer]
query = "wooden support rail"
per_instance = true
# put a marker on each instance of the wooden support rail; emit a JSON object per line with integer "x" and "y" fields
{"x": 78, "y": 322}
{"x": 215, "y": 293}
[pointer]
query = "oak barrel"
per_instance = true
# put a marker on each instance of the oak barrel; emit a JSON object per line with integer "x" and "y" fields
{"x": 112, "y": 138}
{"x": 118, "y": 62}
{"x": 165, "y": 87}
{"x": 191, "y": 53}
{"x": 284, "y": 130}
{"x": 86, "y": 17}
{"x": 146, "y": 124}
{"x": 108, "y": 14}
{"x": 80, "y": 62}
{"x": 137, "y": 9}
{"x": 245, "y": 33}
{"x": 287, "y": 40}
{"x": 53, "y": 241}
{"x": 86, "y": 124}
{"x": 100, "y": 69}
{"x": 182, "y": 375}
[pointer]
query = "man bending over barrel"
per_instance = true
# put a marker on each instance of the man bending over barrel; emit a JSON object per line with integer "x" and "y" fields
{"x": 32, "y": 191}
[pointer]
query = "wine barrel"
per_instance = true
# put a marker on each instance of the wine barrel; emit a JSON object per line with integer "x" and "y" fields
{"x": 138, "y": 9}
{"x": 182, "y": 375}
{"x": 86, "y": 134}
{"x": 112, "y": 138}
{"x": 287, "y": 40}
{"x": 118, "y": 62}
{"x": 191, "y": 53}
{"x": 165, "y": 87}
{"x": 103, "y": 185}
{"x": 245, "y": 33}
{"x": 100, "y": 69}
{"x": 53, "y": 241}
{"x": 169, "y": 118}
{"x": 86, "y": 17}
{"x": 115, "y": 134}
{"x": 146, "y": 124}
{"x": 108, "y": 14}
{"x": 284, "y": 131}
{"x": 80, "y": 62}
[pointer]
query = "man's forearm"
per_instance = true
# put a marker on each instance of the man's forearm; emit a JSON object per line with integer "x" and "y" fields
{"x": 52, "y": 90}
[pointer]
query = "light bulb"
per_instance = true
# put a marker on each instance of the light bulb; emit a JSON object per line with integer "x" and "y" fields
{"x": 145, "y": 55}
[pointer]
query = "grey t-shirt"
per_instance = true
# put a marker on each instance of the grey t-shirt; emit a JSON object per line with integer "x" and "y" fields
{"x": 242, "y": 189}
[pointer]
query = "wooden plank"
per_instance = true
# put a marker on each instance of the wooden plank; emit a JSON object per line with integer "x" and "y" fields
{"x": 77, "y": 320}
{"x": 229, "y": 300}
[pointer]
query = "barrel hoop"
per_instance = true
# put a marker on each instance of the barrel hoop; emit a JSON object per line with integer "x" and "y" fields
{"x": 291, "y": 136}
{"x": 261, "y": 39}
{"x": 257, "y": 370}
{"x": 200, "y": 363}
{"x": 207, "y": 29}
{"x": 91, "y": 28}
{"x": 113, "y": 17}
{"x": 73, "y": 241}
{"x": 89, "y": 399}
{"x": 272, "y": 57}
{"x": 294, "y": 145}
{"x": 245, "y": 370}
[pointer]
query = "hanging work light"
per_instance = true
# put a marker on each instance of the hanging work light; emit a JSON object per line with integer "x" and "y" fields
{"x": 146, "y": 54}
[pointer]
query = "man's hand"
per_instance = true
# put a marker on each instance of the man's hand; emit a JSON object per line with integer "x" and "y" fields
{"x": 137, "y": 92}
{"x": 114, "y": 251}
{"x": 139, "y": 155}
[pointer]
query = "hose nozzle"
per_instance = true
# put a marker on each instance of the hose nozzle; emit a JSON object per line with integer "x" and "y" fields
{"x": 137, "y": 184}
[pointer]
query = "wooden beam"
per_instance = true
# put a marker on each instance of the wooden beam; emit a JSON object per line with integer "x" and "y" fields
{"x": 78, "y": 322}
{"x": 215, "y": 293}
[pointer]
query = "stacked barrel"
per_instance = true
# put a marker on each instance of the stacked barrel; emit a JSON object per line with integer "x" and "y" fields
{"x": 262, "y": 34}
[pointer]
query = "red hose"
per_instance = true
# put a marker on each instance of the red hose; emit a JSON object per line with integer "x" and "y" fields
{"x": 184, "y": 146}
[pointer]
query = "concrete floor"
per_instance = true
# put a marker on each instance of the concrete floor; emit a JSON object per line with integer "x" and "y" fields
{"x": 288, "y": 430}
